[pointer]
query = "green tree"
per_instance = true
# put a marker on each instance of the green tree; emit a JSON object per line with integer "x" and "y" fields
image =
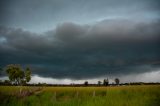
{"x": 105, "y": 82}
{"x": 117, "y": 81}
{"x": 86, "y": 83}
{"x": 28, "y": 74}
{"x": 7, "y": 82}
{"x": 99, "y": 83}
{"x": 17, "y": 75}
{"x": 1, "y": 70}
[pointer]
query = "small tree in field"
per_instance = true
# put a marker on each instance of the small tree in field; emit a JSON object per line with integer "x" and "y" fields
{"x": 1, "y": 70}
{"x": 105, "y": 82}
{"x": 117, "y": 81}
{"x": 99, "y": 83}
{"x": 86, "y": 83}
{"x": 17, "y": 75}
{"x": 28, "y": 74}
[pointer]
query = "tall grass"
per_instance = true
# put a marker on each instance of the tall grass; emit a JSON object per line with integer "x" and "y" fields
{"x": 83, "y": 96}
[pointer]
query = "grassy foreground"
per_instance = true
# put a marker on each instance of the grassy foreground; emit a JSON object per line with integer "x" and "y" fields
{"x": 143, "y": 95}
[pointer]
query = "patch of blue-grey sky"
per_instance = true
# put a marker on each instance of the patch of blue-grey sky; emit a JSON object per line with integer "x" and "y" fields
{"x": 42, "y": 15}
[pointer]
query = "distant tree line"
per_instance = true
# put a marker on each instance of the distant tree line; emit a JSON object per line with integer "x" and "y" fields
{"x": 8, "y": 83}
{"x": 105, "y": 82}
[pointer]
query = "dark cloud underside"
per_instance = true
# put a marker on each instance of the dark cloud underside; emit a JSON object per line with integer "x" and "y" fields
{"x": 81, "y": 39}
{"x": 41, "y": 15}
{"x": 109, "y": 47}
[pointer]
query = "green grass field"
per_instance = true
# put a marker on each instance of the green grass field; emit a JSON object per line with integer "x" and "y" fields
{"x": 142, "y": 95}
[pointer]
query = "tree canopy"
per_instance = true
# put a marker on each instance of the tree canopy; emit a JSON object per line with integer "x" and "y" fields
{"x": 17, "y": 75}
{"x": 105, "y": 82}
{"x": 117, "y": 81}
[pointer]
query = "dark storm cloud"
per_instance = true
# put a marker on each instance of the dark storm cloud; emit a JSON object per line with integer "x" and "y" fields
{"x": 108, "y": 47}
{"x": 4, "y": 12}
{"x": 41, "y": 15}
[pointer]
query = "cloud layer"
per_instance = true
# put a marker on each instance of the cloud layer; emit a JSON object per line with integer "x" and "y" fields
{"x": 40, "y": 15}
{"x": 108, "y": 47}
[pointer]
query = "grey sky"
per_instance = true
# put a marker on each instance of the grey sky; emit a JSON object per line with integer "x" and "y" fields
{"x": 81, "y": 39}
{"x": 42, "y": 15}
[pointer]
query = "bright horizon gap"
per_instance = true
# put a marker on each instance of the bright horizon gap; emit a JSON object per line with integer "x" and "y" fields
{"x": 142, "y": 77}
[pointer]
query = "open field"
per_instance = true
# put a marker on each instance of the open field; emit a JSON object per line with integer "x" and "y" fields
{"x": 142, "y": 95}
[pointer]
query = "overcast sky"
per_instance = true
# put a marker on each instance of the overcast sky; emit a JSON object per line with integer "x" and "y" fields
{"x": 82, "y": 39}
